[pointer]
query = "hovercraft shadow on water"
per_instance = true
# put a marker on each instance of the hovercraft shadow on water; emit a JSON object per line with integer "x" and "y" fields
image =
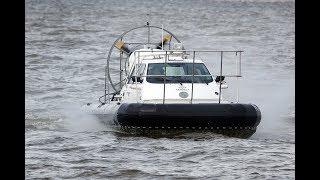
{"x": 161, "y": 88}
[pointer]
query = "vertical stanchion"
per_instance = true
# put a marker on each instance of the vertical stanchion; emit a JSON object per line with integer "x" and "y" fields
{"x": 162, "y": 37}
{"x": 108, "y": 92}
{"x": 237, "y": 69}
{"x": 121, "y": 53}
{"x": 239, "y": 75}
{"x": 105, "y": 86}
{"x": 136, "y": 74}
{"x": 220, "y": 76}
{"x": 194, "y": 55}
{"x": 240, "y": 65}
{"x": 165, "y": 77}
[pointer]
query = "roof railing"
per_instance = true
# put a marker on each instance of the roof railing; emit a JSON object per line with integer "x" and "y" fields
{"x": 167, "y": 54}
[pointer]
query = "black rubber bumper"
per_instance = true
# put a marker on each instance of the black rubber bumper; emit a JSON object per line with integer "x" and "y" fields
{"x": 214, "y": 116}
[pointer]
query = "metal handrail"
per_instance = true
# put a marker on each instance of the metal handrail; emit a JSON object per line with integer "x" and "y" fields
{"x": 166, "y": 56}
{"x": 193, "y": 75}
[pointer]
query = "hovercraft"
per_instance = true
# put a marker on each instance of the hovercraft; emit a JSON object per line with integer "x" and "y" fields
{"x": 160, "y": 86}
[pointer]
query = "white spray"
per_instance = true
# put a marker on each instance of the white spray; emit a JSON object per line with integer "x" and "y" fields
{"x": 76, "y": 119}
{"x": 276, "y": 102}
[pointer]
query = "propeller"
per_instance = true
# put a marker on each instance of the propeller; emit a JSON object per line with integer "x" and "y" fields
{"x": 165, "y": 39}
{"x": 123, "y": 47}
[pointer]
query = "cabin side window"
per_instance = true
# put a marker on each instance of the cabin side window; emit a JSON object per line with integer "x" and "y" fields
{"x": 137, "y": 73}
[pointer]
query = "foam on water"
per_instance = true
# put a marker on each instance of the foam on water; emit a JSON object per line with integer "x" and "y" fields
{"x": 76, "y": 119}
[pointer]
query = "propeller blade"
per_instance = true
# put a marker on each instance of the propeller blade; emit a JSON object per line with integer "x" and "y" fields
{"x": 165, "y": 39}
{"x": 123, "y": 47}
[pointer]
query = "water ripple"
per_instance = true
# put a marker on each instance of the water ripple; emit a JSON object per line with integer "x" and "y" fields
{"x": 66, "y": 45}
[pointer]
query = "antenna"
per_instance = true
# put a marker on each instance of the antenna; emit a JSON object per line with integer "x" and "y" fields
{"x": 148, "y": 19}
{"x": 148, "y": 28}
{"x": 162, "y": 36}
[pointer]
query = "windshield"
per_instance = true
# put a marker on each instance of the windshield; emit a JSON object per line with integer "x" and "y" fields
{"x": 178, "y": 73}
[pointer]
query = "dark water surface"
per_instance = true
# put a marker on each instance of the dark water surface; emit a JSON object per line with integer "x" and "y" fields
{"x": 66, "y": 45}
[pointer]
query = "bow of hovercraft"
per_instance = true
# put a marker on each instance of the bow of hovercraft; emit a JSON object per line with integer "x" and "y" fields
{"x": 240, "y": 120}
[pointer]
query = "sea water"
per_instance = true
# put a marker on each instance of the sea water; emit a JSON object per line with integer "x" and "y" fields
{"x": 66, "y": 47}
